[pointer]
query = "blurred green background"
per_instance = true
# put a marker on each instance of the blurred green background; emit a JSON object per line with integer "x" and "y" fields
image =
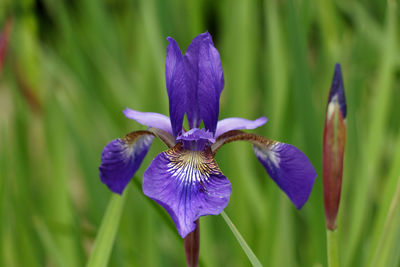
{"x": 72, "y": 66}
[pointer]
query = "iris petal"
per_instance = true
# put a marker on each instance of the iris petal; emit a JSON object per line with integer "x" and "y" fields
{"x": 176, "y": 85}
{"x": 230, "y": 124}
{"x": 150, "y": 119}
{"x": 188, "y": 184}
{"x": 290, "y": 169}
{"x": 122, "y": 157}
{"x": 205, "y": 81}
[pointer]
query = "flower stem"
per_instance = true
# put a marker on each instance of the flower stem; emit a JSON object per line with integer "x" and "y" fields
{"x": 192, "y": 246}
{"x": 332, "y": 246}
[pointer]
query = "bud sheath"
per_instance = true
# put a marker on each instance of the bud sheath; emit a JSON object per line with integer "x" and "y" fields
{"x": 333, "y": 148}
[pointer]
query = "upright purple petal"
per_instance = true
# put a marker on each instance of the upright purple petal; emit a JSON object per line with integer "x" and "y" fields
{"x": 289, "y": 168}
{"x": 176, "y": 85}
{"x": 188, "y": 184}
{"x": 205, "y": 81}
{"x": 230, "y": 124}
{"x": 150, "y": 119}
{"x": 122, "y": 157}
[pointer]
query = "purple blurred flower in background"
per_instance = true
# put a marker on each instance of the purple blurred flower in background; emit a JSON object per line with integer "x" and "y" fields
{"x": 185, "y": 179}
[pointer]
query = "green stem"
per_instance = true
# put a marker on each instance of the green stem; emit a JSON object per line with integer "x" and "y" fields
{"x": 332, "y": 246}
{"x": 192, "y": 246}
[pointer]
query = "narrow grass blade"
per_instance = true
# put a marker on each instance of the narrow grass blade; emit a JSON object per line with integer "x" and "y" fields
{"x": 250, "y": 254}
{"x": 385, "y": 203}
{"x": 361, "y": 211}
{"x": 385, "y": 243}
{"x": 48, "y": 242}
{"x": 107, "y": 232}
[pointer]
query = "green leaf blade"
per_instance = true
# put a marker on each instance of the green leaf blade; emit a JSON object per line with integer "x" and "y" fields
{"x": 106, "y": 235}
{"x": 250, "y": 254}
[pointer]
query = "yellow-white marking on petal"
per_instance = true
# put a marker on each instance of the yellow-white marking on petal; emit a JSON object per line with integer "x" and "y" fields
{"x": 268, "y": 153}
{"x": 191, "y": 166}
{"x": 136, "y": 141}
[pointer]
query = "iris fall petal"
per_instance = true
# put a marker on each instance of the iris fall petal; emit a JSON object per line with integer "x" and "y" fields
{"x": 286, "y": 165}
{"x": 188, "y": 184}
{"x": 289, "y": 168}
{"x": 122, "y": 157}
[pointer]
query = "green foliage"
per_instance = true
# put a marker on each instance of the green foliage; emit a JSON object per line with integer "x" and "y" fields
{"x": 73, "y": 66}
{"x": 250, "y": 254}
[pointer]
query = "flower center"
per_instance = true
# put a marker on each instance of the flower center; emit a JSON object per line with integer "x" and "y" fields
{"x": 190, "y": 166}
{"x": 196, "y": 139}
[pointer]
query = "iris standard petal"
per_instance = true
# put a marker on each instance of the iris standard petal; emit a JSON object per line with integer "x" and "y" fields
{"x": 205, "y": 81}
{"x": 289, "y": 168}
{"x": 122, "y": 157}
{"x": 150, "y": 119}
{"x": 188, "y": 184}
{"x": 286, "y": 165}
{"x": 175, "y": 78}
{"x": 230, "y": 124}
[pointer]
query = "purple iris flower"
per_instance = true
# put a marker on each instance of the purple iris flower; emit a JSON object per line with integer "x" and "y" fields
{"x": 185, "y": 179}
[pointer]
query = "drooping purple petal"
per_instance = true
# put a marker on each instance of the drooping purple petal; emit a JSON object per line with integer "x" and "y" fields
{"x": 188, "y": 184}
{"x": 230, "y": 124}
{"x": 286, "y": 165}
{"x": 150, "y": 119}
{"x": 289, "y": 168}
{"x": 205, "y": 81}
{"x": 176, "y": 85}
{"x": 337, "y": 91}
{"x": 122, "y": 157}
